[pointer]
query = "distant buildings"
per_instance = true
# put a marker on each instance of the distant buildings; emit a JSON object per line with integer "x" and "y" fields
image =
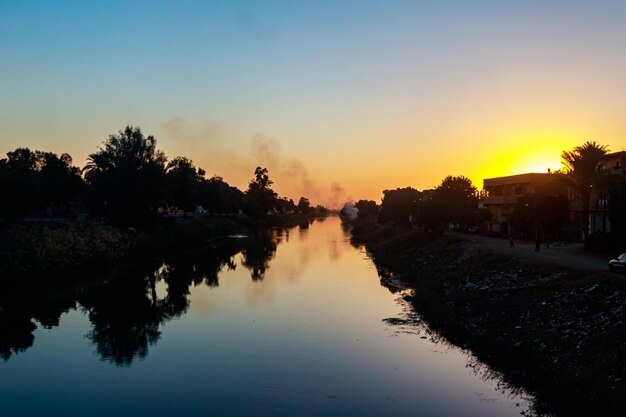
{"x": 501, "y": 194}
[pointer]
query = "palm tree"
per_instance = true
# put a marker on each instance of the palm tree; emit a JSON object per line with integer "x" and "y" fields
{"x": 126, "y": 175}
{"x": 581, "y": 166}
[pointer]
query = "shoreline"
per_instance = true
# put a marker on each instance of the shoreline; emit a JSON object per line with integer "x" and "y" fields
{"x": 37, "y": 251}
{"x": 557, "y": 332}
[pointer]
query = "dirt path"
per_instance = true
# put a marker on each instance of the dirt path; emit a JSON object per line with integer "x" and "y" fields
{"x": 571, "y": 255}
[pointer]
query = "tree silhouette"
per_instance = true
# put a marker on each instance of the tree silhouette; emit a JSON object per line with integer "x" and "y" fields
{"x": 34, "y": 180}
{"x": 581, "y": 167}
{"x": 260, "y": 198}
{"x": 20, "y": 185}
{"x": 539, "y": 213}
{"x": 217, "y": 196}
{"x": 397, "y": 205}
{"x": 304, "y": 206}
{"x": 60, "y": 181}
{"x": 454, "y": 201}
{"x": 432, "y": 213}
{"x": 458, "y": 200}
{"x": 182, "y": 183}
{"x": 285, "y": 205}
{"x": 367, "y": 208}
{"x": 126, "y": 175}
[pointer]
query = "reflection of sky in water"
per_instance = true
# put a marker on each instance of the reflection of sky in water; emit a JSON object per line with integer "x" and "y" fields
{"x": 306, "y": 340}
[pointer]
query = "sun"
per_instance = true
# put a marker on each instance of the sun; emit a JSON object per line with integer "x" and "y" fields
{"x": 536, "y": 156}
{"x": 535, "y": 163}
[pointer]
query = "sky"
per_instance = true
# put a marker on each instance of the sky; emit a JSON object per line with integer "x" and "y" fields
{"x": 340, "y": 100}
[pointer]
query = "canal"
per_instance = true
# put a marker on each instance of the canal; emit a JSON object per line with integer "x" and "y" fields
{"x": 289, "y": 323}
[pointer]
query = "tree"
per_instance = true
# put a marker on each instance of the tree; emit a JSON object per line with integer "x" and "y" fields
{"x": 60, "y": 181}
{"x": 260, "y": 198}
{"x": 397, "y": 205}
{"x": 21, "y": 188}
{"x": 32, "y": 180}
{"x": 218, "y": 196}
{"x": 581, "y": 167}
{"x": 430, "y": 214}
{"x": 126, "y": 176}
{"x": 321, "y": 210}
{"x": 304, "y": 206}
{"x": 539, "y": 214}
{"x": 367, "y": 208}
{"x": 286, "y": 205}
{"x": 458, "y": 199}
{"x": 182, "y": 181}
{"x": 455, "y": 201}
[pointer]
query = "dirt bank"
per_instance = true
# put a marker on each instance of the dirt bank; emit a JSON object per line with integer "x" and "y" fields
{"x": 556, "y": 331}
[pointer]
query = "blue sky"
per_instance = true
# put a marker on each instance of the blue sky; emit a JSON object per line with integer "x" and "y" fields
{"x": 320, "y": 90}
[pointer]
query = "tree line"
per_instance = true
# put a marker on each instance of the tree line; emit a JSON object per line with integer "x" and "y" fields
{"x": 454, "y": 201}
{"x": 128, "y": 182}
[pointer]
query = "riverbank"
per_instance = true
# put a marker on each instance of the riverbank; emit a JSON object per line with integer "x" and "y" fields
{"x": 558, "y": 332}
{"x": 41, "y": 250}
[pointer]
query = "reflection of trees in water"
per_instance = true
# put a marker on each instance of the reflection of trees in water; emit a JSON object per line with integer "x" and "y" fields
{"x": 198, "y": 267}
{"x": 257, "y": 253}
{"x": 16, "y": 333}
{"x": 20, "y": 308}
{"x": 125, "y": 316}
{"x": 127, "y": 312}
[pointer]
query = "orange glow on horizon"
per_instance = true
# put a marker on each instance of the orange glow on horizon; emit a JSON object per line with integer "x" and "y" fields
{"x": 525, "y": 154}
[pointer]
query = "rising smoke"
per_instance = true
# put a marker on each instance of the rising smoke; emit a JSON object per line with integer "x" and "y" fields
{"x": 211, "y": 149}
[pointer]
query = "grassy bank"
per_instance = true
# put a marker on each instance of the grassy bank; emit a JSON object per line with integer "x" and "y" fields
{"x": 558, "y": 332}
{"x": 40, "y": 250}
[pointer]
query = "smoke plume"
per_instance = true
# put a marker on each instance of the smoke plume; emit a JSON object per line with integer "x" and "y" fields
{"x": 210, "y": 147}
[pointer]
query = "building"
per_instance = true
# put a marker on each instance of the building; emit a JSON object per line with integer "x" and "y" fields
{"x": 611, "y": 168}
{"x": 613, "y": 164}
{"x": 501, "y": 194}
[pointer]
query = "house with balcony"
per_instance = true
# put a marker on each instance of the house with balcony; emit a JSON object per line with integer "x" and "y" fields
{"x": 501, "y": 194}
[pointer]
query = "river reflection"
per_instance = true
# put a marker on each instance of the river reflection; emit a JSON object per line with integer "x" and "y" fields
{"x": 285, "y": 323}
{"x": 126, "y": 312}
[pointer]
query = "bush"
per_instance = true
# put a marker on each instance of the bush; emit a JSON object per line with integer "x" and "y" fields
{"x": 37, "y": 248}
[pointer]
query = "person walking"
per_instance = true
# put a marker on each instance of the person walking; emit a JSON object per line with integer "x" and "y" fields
{"x": 511, "y": 244}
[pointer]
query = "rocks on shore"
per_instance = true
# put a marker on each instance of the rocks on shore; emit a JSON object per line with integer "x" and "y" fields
{"x": 559, "y": 332}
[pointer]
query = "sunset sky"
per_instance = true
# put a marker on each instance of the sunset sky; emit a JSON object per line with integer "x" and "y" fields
{"x": 339, "y": 99}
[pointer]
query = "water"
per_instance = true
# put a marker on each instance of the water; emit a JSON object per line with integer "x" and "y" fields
{"x": 291, "y": 324}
